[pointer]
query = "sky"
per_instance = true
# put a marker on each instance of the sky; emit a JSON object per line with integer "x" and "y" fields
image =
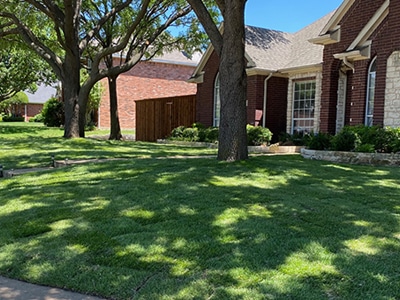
{"x": 287, "y": 15}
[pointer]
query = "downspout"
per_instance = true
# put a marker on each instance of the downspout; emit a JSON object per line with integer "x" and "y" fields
{"x": 347, "y": 63}
{"x": 265, "y": 98}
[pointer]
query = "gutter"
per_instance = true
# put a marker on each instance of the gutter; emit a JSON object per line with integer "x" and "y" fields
{"x": 265, "y": 98}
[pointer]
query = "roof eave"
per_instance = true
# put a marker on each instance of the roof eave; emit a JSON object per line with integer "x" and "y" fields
{"x": 358, "y": 54}
{"x": 328, "y": 38}
{"x": 259, "y": 71}
{"x": 302, "y": 69}
{"x": 199, "y": 78}
{"x": 337, "y": 16}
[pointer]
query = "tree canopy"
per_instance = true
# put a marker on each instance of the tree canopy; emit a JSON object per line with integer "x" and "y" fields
{"x": 65, "y": 33}
{"x": 20, "y": 70}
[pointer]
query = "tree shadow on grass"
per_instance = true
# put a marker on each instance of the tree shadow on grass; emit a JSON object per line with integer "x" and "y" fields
{"x": 267, "y": 228}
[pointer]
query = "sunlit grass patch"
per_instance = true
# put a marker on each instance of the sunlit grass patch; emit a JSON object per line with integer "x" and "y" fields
{"x": 271, "y": 227}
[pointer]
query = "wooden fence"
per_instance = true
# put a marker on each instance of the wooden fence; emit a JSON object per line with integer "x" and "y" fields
{"x": 155, "y": 118}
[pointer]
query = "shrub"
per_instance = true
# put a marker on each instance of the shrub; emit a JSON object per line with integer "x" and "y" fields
{"x": 210, "y": 134}
{"x": 257, "y": 135}
{"x": 196, "y": 133}
{"x": 319, "y": 141}
{"x": 13, "y": 119}
{"x": 177, "y": 133}
{"x": 368, "y": 148}
{"x": 37, "y": 118}
{"x": 346, "y": 140}
{"x": 296, "y": 139}
{"x": 53, "y": 113}
{"x": 391, "y": 140}
{"x": 190, "y": 134}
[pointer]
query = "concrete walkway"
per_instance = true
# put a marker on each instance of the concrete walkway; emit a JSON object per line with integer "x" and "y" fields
{"x": 19, "y": 290}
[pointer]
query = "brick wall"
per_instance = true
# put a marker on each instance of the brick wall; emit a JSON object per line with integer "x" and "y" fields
{"x": 385, "y": 40}
{"x": 205, "y": 92}
{"x": 276, "y": 102}
{"x": 147, "y": 80}
{"x": 32, "y": 109}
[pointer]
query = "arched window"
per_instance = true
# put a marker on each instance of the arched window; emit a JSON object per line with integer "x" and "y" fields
{"x": 369, "y": 107}
{"x": 217, "y": 102}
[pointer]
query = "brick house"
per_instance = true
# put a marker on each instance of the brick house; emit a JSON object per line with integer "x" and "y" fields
{"x": 341, "y": 70}
{"x": 163, "y": 76}
{"x": 37, "y": 100}
{"x": 361, "y": 68}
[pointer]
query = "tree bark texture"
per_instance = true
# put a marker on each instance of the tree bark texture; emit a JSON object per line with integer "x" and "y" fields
{"x": 115, "y": 129}
{"x": 233, "y": 79}
{"x": 71, "y": 88}
{"x": 232, "y": 68}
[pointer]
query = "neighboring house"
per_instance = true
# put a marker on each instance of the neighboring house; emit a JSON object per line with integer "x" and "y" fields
{"x": 37, "y": 99}
{"x": 161, "y": 77}
{"x": 343, "y": 69}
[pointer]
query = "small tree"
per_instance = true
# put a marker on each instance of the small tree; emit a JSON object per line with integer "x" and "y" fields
{"x": 20, "y": 69}
{"x": 14, "y": 106}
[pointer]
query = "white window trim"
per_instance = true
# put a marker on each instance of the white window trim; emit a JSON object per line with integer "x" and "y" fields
{"x": 217, "y": 98}
{"x": 293, "y": 100}
{"x": 318, "y": 90}
{"x": 367, "y": 102}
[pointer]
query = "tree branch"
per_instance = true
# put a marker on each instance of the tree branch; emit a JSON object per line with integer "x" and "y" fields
{"x": 208, "y": 23}
{"x": 34, "y": 43}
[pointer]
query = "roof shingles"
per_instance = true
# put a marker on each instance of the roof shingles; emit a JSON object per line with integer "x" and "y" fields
{"x": 276, "y": 50}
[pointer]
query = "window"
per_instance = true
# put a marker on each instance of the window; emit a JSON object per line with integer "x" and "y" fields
{"x": 303, "y": 107}
{"x": 369, "y": 107}
{"x": 217, "y": 102}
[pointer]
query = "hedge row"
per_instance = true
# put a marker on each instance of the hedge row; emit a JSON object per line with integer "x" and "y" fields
{"x": 358, "y": 139}
{"x": 198, "y": 133}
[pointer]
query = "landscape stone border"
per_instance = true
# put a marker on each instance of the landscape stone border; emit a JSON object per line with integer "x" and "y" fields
{"x": 274, "y": 148}
{"x": 378, "y": 159}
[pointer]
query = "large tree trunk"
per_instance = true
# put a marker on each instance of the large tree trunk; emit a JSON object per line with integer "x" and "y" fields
{"x": 115, "y": 128}
{"x": 232, "y": 134}
{"x": 83, "y": 101}
{"x": 71, "y": 86}
{"x": 71, "y": 68}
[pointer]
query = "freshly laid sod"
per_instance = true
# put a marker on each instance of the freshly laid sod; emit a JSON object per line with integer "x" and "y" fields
{"x": 272, "y": 227}
{"x": 25, "y": 145}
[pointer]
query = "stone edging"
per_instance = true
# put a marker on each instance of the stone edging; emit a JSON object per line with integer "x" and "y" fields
{"x": 389, "y": 159}
{"x": 275, "y": 148}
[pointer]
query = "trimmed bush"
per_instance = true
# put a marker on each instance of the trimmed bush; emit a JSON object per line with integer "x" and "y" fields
{"x": 391, "y": 140}
{"x": 13, "y": 119}
{"x": 296, "y": 139}
{"x": 346, "y": 140}
{"x": 257, "y": 135}
{"x": 319, "y": 141}
{"x": 190, "y": 134}
{"x": 37, "y": 118}
{"x": 199, "y": 133}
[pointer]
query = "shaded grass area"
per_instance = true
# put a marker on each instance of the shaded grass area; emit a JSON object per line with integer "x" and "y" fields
{"x": 272, "y": 227}
{"x": 27, "y": 145}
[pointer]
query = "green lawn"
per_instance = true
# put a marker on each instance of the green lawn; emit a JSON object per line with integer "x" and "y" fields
{"x": 272, "y": 227}
{"x": 25, "y": 145}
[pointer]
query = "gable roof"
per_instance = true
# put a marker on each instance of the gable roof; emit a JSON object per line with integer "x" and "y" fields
{"x": 304, "y": 53}
{"x": 271, "y": 51}
{"x": 267, "y": 49}
{"x": 360, "y": 48}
